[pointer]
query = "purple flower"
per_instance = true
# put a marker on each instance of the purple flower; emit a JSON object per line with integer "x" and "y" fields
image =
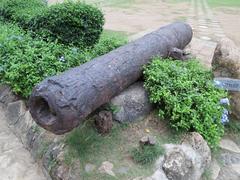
{"x": 225, "y": 101}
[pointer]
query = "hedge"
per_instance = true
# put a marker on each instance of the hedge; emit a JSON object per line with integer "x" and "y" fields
{"x": 21, "y": 11}
{"x": 68, "y": 23}
{"x": 71, "y": 23}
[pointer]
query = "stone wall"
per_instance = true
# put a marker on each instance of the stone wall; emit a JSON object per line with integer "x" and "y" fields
{"x": 46, "y": 148}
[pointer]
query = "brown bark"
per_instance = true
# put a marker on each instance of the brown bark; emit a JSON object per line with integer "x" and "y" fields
{"x": 61, "y": 102}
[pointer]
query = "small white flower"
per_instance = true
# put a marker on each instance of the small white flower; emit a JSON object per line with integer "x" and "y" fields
{"x": 62, "y": 59}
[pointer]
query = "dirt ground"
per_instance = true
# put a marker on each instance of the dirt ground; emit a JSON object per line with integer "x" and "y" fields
{"x": 143, "y": 16}
{"x": 229, "y": 19}
{"x": 147, "y": 15}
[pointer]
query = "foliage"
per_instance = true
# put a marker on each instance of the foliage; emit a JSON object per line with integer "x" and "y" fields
{"x": 21, "y": 11}
{"x": 207, "y": 175}
{"x": 146, "y": 154}
{"x": 25, "y": 61}
{"x": 69, "y": 23}
{"x": 185, "y": 94}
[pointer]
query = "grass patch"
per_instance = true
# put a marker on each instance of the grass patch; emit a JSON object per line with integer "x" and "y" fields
{"x": 87, "y": 146}
{"x": 87, "y": 143}
{"x": 113, "y": 3}
{"x": 207, "y": 175}
{"x": 147, "y": 154}
{"x": 214, "y": 3}
{"x": 224, "y": 3}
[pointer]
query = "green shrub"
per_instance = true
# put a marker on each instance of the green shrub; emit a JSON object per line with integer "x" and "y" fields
{"x": 21, "y": 11}
{"x": 70, "y": 23}
{"x": 25, "y": 61}
{"x": 185, "y": 95}
{"x": 146, "y": 154}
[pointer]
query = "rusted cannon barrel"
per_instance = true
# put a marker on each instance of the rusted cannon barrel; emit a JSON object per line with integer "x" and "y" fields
{"x": 60, "y": 103}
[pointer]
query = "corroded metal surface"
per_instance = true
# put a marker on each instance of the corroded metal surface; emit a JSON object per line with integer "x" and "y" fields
{"x": 61, "y": 102}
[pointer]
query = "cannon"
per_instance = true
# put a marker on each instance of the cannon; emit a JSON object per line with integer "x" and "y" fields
{"x": 60, "y": 103}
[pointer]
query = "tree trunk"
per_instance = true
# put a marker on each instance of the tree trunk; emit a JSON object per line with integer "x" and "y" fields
{"x": 61, "y": 102}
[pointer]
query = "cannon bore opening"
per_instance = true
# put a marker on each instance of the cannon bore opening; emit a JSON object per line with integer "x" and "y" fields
{"x": 44, "y": 112}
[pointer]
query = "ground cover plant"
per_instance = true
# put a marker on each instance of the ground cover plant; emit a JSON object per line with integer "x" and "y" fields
{"x": 25, "y": 61}
{"x": 88, "y": 146}
{"x": 186, "y": 96}
{"x": 146, "y": 154}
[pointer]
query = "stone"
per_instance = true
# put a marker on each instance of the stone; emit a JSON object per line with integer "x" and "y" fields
{"x": 132, "y": 104}
{"x": 60, "y": 173}
{"x": 159, "y": 175}
{"x": 196, "y": 141}
{"x": 178, "y": 54}
{"x": 106, "y": 168}
{"x": 226, "y": 64}
{"x": 16, "y": 161}
{"x": 6, "y": 95}
{"x": 236, "y": 168}
{"x": 15, "y": 110}
{"x": 229, "y": 145}
{"x": 215, "y": 169}
{"x": 203, "y": 50}
{"x": 104, "y": 122}
{"x": 227, "y": 173}
{"x": 122, "y": 170}
{"x": 148, "y": 140}
{"x": 228, "y": 158}
{"x": 89, "y": 167}
{"x": 177, "y": 165}
{"x": 187, "y": 161}
{"x": 22, "y": 126}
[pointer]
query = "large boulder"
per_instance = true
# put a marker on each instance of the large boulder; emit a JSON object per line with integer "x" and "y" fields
{"x": 200, "y": 146}
{"x": 179, "y": 162}
{"x": 187, "y": 161}
{"x": 132, "y": 104}
{"x": 226, "y": 63}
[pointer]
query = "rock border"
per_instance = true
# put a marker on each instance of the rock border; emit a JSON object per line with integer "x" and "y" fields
{"x": 46, "y": 149}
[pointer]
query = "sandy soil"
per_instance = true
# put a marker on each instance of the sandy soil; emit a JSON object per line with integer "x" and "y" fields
{"x": 143, "y": 16}
{"x": 229, "y": 19}
{"x": 16, "y": 161}
{"x": 147, "y": 15}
